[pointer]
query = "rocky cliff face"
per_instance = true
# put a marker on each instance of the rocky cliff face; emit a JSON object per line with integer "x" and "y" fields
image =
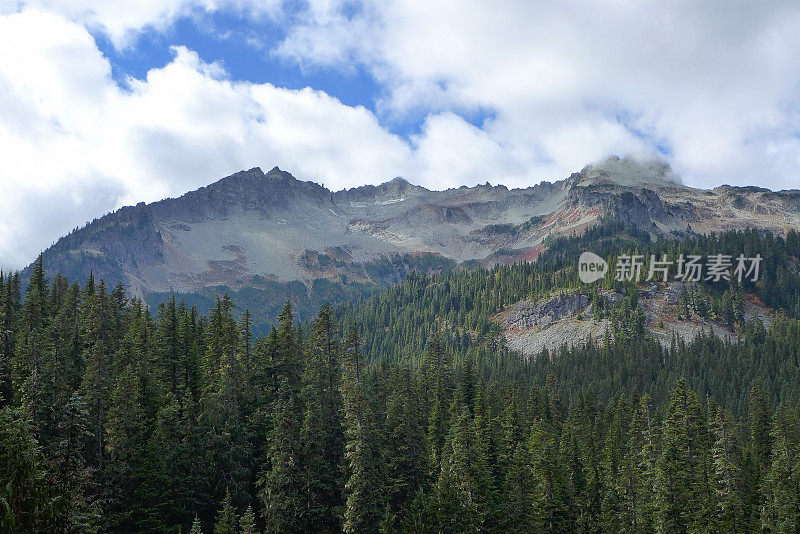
{"x": 252, "y": 229}
{"x": 567, "y": 319}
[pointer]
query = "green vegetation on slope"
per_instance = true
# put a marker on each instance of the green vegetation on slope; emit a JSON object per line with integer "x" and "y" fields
{"x": 403, "y": 413}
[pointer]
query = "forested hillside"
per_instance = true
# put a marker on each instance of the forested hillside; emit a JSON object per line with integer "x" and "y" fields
{"x": 403, "y": 412}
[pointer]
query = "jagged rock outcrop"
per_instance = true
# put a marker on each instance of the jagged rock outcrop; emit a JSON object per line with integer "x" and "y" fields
{"x": 542, "y": 314}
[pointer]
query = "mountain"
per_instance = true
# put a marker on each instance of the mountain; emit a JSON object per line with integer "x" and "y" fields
{"x": 419, "y": 417}
{"x": 266, "y": 237}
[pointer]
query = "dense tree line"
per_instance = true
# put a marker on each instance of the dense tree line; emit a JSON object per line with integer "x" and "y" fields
{"x": 403, "y": 413}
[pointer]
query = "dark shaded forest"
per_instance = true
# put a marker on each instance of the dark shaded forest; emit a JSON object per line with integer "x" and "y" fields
{"x": 402, "y": 412}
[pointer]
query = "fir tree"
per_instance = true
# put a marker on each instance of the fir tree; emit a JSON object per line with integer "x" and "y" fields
{"x": 196, "y": 527}
{"x": 523, "y": 500}
{"x": 726, "y": 475}
{"x": 247, "y": 523}
{"x": 24, "y": 497}
{"x": 680, "y": 493}
{"x": 322, "y": 435}
{"x": 781, "y": 485}
{"x": 281, "y": 480}
{"x": 362, "y": 489}
{"x": 439, "y": 384}
{"x": 71, "y": 477}
{"x": 227, "y": 520}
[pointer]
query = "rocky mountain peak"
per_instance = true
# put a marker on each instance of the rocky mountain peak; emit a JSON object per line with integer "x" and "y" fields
{"x": 254, "y": 227}
{"x": 396, "y": 189}
{"x": 628, "y": 171}
{"x": 398, "y": 186}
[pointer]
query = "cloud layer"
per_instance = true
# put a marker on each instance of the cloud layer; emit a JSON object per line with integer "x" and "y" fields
{"x": 75, "y": 145}
{"x": 712, "y": 85}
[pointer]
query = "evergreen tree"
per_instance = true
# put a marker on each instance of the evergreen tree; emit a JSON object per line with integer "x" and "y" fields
{"x": 97, "y": 383}
{"x": 523, "y": 500}
{"x": 125, "y": 447}
{"x": 196, "y": 527}
{"x": 227, "y": 520}
{"x": 549, "y": 478}
{"x": 281, "y": 477}
{"x": 116, "y": 421}
{"x": 24, "y": 496}
{"x": 439, "y": 385}
{"x": 33, "y": 347}
{"x": 638, "y": 472}
{"x": 681, "y": 495}
{"x": 322, "y": 435}
{"x": 726, "y": 475}
{"x": 227, "y": 443}
{"x": 281, "y": 480}
{"x": 363, "y": 488}
{"x": 781, "y": 486}
{"x": 247, "y": 523}
{"x": 404, "y": 462}
{"x": 9, "y": 323}
{"x": 70, "y": 477}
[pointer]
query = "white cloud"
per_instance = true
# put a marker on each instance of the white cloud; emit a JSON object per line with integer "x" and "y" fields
{"x": 74, "y": 145}
{"x": 451, "y": 152}
{"x": 713, "y": 81}
{"x": 564, "y": 83}
{"x": 122, "y": 20}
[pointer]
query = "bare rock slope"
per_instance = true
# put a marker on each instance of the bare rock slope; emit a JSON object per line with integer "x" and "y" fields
{"x": 253, "y": 228}
{"x": 566, "y": 319}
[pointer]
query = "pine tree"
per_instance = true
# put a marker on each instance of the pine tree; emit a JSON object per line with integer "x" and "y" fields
{"x": 24, "y": 496}
{"x": 579, "y": 437}
{"x": 67, "y": 364}
{"x": 170, "y": 358}
{"x": 247, "y": 523}
{"x": 281, "y": 480}
{"x": 227, "y": 443}
{"x": 322, "y": 435}
{"x": 246, "y": 343}
{"x": 196, "y": 527}
{"x": 97, "y": 383}
{"x": 681, "y": 472}
{"x": 549, "y": 477}
{"x": 9, "y": 323}
{"x": 281, "y": 476}
{"x": 726, "y": 475}
{"x": 167, "y": 489}
{"x": 30, "y": 369}
{"x": 71, "y": 478}
{"x": 781, "y": 485}
{"x": 404, "y": 462}
{"x": 227, "y": 520}
{"x": 611, "y": 469}
{"x": 157, "y": 419}
{"x": 637, "y": 476}
{"x": 420, "y": 515}
{"x": 451, "y": 516}
{"x": 760, "y": 435}
{"x": 126, "y": 452}
{"x": 523, "y": 500}
{"x": 363, "y": 487}
{"x": 222, "y": 343}
{"x": 439, "y": 383}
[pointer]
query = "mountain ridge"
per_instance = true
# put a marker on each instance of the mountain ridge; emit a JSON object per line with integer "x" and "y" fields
{"x": 254, "y": 228}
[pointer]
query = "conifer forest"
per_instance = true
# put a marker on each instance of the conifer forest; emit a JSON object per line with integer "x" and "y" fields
{"x": 404, "y": 411}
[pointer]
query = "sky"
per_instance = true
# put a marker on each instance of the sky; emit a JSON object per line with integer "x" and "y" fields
{"x": 106, "y": 103}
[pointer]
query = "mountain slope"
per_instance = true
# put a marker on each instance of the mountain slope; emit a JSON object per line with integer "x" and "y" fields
{"x": 267, "y": 232}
